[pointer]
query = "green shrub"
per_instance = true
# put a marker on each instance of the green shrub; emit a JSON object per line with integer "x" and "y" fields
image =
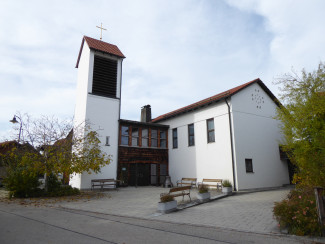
{"x": 166, "y": 198}
{"x": 56, "y": 189}
{"x": 203, "y": 188}
{"x": 22, "y": 185}
{"x": 53, "y": 183}
{"x": 226, "y": 183}
{"x": 63, "y": 191}
{"x": 298, "y": 213}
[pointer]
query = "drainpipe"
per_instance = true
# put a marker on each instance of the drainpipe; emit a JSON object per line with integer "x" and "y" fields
{"x": 232, "y": 147}
{"x": 118, "y": 124}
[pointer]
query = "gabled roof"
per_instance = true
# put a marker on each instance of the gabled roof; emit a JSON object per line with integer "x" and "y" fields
{"x": 216, "y": 98}
{"x": 99, "y": 46}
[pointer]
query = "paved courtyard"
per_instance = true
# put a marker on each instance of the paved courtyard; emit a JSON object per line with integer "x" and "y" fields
{"x": 246, "y": 212}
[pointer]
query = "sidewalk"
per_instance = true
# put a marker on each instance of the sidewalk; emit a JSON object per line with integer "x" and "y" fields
{"x": 138, "y": 202}
{"x": 246, "y": 212}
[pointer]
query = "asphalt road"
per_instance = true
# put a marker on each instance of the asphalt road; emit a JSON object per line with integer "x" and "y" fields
{"x": 19, "y": 224}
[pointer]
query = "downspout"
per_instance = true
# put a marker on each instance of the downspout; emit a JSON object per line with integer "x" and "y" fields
{"x": 118, "y": 124}
{"x": 232, "y": 147}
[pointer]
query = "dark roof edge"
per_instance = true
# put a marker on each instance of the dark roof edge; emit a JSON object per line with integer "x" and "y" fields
{"x": 264, "y": 87}
{"x": 268, "y": 92}
{"x": 82, "y": 44}
{"x": 80, "y": 51}
{"x": 258, "y": 81}
{"x": 142, "y": 123}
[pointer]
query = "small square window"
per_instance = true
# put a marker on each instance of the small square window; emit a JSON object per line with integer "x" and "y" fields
{"x": 107, "y": 141}
{"x": 249, "y": 165}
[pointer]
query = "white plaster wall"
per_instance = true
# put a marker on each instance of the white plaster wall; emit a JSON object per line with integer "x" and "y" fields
{"x": 103, "y": 116}
{"x": 85, "y": 63}
{"x": 204, "y": 160}
{"x": 257, "y": 136}
{"x": 102, "y": 113}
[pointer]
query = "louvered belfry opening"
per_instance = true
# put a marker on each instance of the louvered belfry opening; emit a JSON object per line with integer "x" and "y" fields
{"x": 104, "y": 77}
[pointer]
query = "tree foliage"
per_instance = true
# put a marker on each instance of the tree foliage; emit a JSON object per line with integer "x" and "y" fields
{"x": 303, "y": 124}
{"x": 54, "y": 148}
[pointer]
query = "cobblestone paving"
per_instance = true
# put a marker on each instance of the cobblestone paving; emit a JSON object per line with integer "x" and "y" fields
{"x": 130, "y": 201}
{"x": 247, "y": 212}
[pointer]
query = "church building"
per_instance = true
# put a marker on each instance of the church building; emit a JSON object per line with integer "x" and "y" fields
{"x": 232, "y": 135}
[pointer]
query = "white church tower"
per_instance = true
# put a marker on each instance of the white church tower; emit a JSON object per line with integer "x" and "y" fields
{"x": 98, "y": 100}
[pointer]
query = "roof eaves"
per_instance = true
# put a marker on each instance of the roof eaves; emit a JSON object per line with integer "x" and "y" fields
{"x": 215, "y": 99}
{"x": 80, "y": 51}
{"x": 121, "y": 55}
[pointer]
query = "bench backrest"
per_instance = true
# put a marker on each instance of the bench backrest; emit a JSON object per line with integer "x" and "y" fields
{"x": 189, "y": 179}
{"x": 212, "y": 180}
{"x": 181, "y": 188}
{"x": 101, "y": 180}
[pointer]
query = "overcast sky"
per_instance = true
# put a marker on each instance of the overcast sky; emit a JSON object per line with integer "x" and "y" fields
{"x": 177, "y": 52}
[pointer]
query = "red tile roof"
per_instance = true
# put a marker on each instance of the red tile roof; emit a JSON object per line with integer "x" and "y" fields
{"x": 213, "y": 99}
{"x": 99, "y": 46}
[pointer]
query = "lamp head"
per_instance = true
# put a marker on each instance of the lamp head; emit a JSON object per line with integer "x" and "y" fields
{"x": 14, "y": 120}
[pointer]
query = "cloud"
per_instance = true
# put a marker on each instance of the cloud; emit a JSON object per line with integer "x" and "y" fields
{"x": 297, "y": 28}
{"x": 177, "y": 52}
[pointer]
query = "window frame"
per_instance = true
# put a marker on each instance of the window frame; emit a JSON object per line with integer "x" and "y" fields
{"x": 249, "y": 165}
{"x": 145, "y": 138}
{"x": 190, "y": 135}
{"x": 210, "y": 131}
{"x": 135, "y": 137}
{"x": 125, "y": 135}
{"x": 175, "y": 138}
{"x": 154, "y": 138}
{"x": 162, "y": 139}
{"x": 107, "y": 141}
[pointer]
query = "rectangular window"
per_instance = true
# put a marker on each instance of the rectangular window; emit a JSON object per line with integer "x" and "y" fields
{"x": 163, "y": 139}
{"x": 154, "y": 138}
{"x": 145, "y": 138}
{"x": 125, "y": 135}
{"x": 135, "y": 136}
{"x": 175, "y": 141}
{"x": 249, "y": 165}
{"x": 107, "y": 141}
{"x": 191, "y": 135}
{"x": 210, "y": 130}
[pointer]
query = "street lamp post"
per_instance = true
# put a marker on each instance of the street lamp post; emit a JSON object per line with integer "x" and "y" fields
{"x": 14, "y": 121}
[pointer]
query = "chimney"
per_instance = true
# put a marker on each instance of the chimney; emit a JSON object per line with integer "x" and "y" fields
{"x": 146, "y": 113}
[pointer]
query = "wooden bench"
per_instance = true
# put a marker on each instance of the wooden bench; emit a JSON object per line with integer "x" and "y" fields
{"x": 211, "y": 183}
{"x": 187, "y": 182}
{"x": 179, "y": 191}
{"x": 103, "y": 182}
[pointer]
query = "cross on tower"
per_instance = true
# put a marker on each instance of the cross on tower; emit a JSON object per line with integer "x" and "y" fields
{"x": 101, "y": 28}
